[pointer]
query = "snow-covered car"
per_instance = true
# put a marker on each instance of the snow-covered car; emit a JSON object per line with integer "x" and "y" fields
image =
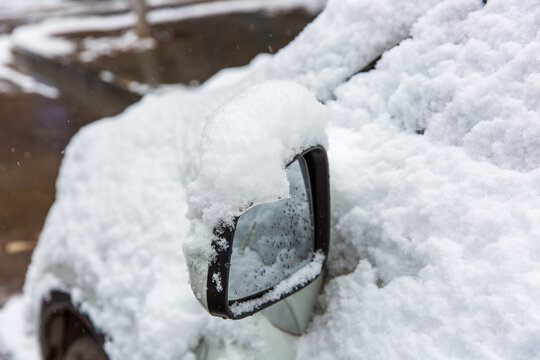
{"x": 429, "y": 112}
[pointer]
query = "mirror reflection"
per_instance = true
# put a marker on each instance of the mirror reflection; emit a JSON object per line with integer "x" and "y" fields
{"x": 273, "y": 240}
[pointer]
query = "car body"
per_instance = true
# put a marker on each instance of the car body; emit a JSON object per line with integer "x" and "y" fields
{"x": 431, "y": 151}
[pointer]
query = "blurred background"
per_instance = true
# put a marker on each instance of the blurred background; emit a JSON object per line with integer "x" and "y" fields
{"x": 66, "y": 63}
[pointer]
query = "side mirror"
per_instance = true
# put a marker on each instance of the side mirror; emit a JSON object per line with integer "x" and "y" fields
{"x": 273, "y": 249}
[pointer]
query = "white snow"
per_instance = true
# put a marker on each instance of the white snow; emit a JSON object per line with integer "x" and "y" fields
{"x": 446, "y": 258}
{"x": 16, "y": 8}
{"x": 303, "y": 276}
{"x": 35, "y": 10}
{"x": 45, "y": 38}
{"x": 14, "y": 338}
{"x": 345, "y": 38}
{"x": 435, "y": 245}
{"x": 256, "y": 135}
{"x": 272, "y": 240}
{"x": 10, "y": 77}
{"x": 107, "y": 45}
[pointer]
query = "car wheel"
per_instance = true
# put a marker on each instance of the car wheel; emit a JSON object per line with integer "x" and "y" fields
{"x": 66, "y": 333}
{"x": 85, "y": 348}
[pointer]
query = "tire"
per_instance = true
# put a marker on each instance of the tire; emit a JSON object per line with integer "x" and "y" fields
{"x": 65, "y": 333}
{"x": 85, "y": 348}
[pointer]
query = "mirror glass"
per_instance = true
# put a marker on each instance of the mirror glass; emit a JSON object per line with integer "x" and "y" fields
{"x": 273, "y": 240}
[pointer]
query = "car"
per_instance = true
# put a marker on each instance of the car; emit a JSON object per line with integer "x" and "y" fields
{"x": 403, "y": 135}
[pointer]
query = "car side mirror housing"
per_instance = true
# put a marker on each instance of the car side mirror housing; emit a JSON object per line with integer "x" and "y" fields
{"x": 273, "y": 249}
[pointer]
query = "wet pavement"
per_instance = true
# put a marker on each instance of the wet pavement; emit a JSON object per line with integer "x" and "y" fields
{"x": 191, "y": 51}
{"x": 34, "y": 129}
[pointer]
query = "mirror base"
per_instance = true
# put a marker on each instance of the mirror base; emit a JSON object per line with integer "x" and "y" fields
{"x": 293, "y": 313}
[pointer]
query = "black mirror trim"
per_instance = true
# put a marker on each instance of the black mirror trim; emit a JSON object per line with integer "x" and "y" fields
{"x": 217, "y": 282}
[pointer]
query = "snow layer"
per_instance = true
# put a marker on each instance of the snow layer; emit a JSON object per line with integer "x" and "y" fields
{"x": 10, "y": 77}
{"x": 107, "y": 45}
{"x": 444, "y": 227}
{"x": 255, "y": 135}
{"x": 435, "y": 239}
{"x": 20, "y": 8}
{"x": 13, "y": 339}
{"x": 45, "y": 38}
{"x": 345, "y": 38}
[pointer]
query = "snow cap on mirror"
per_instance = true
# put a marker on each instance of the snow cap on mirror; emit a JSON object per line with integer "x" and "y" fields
{"x": 245, "y": 147}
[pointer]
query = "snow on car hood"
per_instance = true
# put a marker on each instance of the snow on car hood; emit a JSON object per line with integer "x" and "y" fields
{"x": 434, "y": 246}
